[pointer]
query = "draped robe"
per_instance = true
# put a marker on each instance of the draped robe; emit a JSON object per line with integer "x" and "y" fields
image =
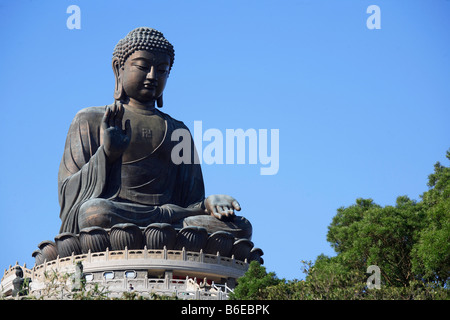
{"x": 140, "y": 187}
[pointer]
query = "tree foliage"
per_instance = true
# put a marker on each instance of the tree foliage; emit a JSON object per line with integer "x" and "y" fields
{"x": 367, "y": 234}
{"x": 409, "y": 242}
{"x": 252, "y": 286}
{"x": 431, "y": 255}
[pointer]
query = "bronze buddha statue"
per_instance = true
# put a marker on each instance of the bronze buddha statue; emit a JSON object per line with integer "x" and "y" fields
{"x": 117, "y": 166}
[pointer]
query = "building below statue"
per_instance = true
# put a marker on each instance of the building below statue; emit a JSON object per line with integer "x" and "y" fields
{"x": 175, "y": 272}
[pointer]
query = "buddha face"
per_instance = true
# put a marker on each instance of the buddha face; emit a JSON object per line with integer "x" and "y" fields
{"x": 144, "y": 75}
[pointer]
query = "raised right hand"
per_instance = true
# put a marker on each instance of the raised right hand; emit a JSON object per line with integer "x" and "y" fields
{"x": 115, "y": 139}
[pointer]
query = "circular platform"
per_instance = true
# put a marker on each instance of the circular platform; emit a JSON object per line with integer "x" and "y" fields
{"x": 187, "y": 274}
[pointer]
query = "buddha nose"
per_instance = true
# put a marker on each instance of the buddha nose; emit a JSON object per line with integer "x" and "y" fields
{"x": 151, "y": 75}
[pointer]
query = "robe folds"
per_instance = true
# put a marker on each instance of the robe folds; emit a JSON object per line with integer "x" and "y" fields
{"x": 139, "y": 187}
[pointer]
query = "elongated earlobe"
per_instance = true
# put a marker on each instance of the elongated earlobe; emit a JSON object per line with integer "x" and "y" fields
{"x": 118, "y": 89}
{"x": 159, "y": 101}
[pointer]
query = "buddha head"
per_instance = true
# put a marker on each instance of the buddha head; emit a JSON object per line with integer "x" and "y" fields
{"x": 141, "y": 63}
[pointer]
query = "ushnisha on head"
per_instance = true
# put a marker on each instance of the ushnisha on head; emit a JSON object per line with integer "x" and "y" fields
{"x": 143, "y": 38}
{"x": 156, "y": 54}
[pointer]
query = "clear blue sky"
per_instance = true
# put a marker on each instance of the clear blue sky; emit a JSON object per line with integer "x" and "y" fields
{"x": 361, "y": 113}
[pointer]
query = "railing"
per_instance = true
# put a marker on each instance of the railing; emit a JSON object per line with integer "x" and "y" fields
{"x": 12, "y": 271}
{"x": 186, "y": 289}
{"x": 183, "y": 289}
{"x": 164, "y": 254}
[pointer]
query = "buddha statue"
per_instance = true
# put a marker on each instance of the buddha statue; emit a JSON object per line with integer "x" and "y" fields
{"x": 117, "y": 166}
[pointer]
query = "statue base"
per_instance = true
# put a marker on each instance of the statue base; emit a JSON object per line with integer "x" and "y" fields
{"x": 186, "y": 263}
{"x": 175, "y": 273}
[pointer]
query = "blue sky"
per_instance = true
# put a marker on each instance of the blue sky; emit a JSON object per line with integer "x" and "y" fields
{"x": 360, "y": 113}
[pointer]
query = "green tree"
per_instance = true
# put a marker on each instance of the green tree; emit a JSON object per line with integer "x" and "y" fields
{"x": 409, "y": 242}
{"x": 367, "y": 234}
{"x": 253, "y": 285}
{"x": 326, "y": 279}
{"x": 431, "y": 255}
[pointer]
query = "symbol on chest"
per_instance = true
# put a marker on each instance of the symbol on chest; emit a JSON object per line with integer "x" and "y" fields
{"x": 146, "y": 133}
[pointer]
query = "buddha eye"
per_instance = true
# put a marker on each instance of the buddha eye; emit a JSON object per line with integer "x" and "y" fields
{"x": 163, "y": 68}
{"x": 144, "y": 68}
